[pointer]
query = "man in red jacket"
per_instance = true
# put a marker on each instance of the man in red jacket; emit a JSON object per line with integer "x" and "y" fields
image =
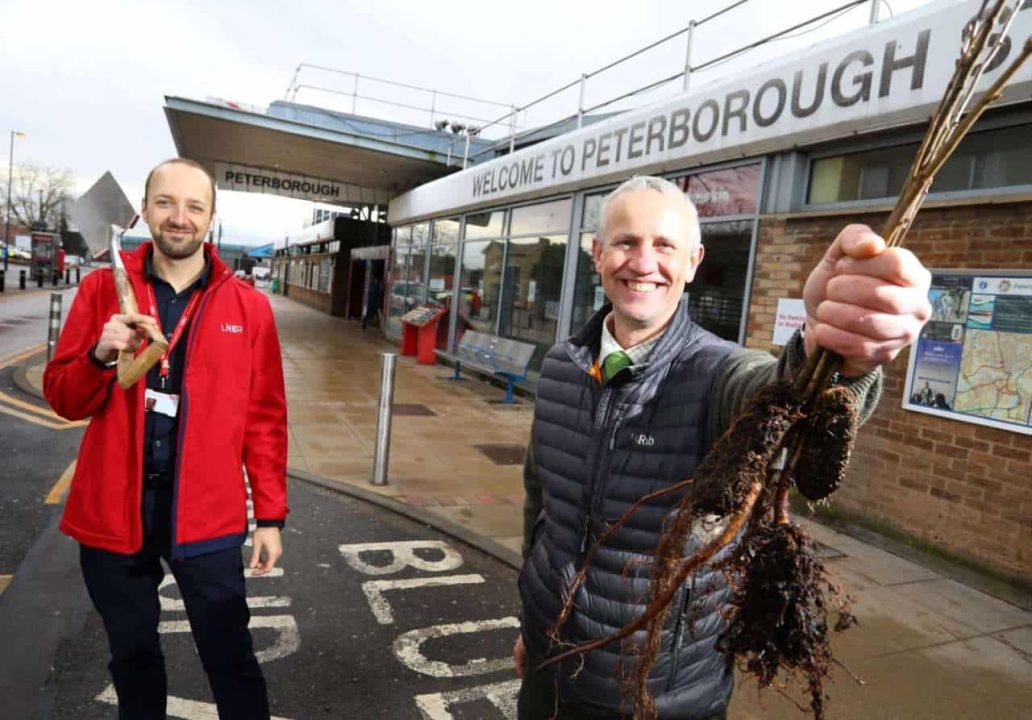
{"x": 160, "y": 470}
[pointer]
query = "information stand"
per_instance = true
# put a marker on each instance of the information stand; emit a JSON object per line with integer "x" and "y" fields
{"x": 419, "y": 332}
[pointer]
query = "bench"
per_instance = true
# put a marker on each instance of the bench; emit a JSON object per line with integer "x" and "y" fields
{"x": 494, "y": 356}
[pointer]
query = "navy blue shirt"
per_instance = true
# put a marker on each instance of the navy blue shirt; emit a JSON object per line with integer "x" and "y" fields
{"x": 161, "y": 431}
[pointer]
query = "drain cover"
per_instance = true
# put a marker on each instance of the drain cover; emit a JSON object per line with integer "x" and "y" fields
{"x": 503, "y": 454}
{"x": 413, "y": 409}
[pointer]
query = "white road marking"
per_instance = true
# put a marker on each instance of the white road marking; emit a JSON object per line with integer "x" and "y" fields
{"x": 408, "y": 648}
{"x": 274, "y": 573}
{"x": 434, "y": 706}
{"x": 256, "y": 602}
{"x": 288, "y": 639}
{"x": 382, "y": 609}
{"x": 177, "y": 707}
{"x": 402, "y": 555}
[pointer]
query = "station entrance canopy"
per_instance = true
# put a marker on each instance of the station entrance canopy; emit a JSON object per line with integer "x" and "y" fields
{"x": 309, "y": 153}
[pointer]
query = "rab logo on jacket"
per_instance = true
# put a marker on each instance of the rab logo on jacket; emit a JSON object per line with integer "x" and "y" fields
{"x": 232, "y": 329}
{"x": 644, "y": 440}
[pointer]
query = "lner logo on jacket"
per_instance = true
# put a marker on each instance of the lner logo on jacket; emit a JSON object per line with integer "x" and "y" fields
{"x": 226, "y": 370}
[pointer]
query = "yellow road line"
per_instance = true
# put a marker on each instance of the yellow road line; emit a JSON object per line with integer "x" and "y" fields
{"x": 38, "y": 409}
{"x": 56, "y": 492}
{"x": 5, "y": 580}
{"x": 42, "y": 423}
{"x": 53, "y": 420}
{"x": 15, "y": 357}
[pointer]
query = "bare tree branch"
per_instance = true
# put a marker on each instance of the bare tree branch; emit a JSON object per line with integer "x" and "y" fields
{"x": 39, "y": 195}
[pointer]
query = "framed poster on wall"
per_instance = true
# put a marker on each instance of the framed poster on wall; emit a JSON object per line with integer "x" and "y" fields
{"x": 973, "y": 360}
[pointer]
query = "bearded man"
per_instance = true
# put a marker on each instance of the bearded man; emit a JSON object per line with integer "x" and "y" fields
{"x": 160, "y": 471}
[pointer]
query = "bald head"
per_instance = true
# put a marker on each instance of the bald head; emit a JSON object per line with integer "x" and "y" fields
{"x": 188, "y": 163}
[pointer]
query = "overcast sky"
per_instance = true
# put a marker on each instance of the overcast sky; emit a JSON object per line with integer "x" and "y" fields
{"x": 86, "y": 81}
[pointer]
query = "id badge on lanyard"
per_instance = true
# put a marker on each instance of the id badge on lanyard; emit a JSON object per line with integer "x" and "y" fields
{"x": 161, "y": 403}
{"x": 155, "y": 400}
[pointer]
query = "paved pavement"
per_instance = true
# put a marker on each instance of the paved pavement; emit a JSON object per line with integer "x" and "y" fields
{"x": 927, "y": 646}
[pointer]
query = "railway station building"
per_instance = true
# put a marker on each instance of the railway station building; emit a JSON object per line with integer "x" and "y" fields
{"x": 777, "y": 160}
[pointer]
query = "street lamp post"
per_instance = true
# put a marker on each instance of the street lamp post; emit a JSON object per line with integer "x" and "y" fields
{"x": 7, "y": 214}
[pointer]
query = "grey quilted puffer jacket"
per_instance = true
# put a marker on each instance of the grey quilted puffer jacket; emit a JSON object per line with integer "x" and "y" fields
{"x": 596, "y": 450}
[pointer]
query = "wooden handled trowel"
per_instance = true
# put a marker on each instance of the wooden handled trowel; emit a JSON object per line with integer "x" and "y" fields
{"x": 132, "y": 367}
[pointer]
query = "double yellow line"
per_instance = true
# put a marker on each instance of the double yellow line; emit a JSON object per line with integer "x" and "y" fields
{"x": 37, "y": 415}
{"x": 30, "y": 412}
{"x": 6, "y": 360}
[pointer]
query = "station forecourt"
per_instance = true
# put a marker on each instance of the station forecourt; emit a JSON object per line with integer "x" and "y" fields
{"x": 777, "y": 160}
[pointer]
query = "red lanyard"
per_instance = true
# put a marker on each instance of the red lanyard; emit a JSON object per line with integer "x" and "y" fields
{"x": 184, "y": 320}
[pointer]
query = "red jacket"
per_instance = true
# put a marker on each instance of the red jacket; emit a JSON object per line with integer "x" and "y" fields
{"x": 233, "y": 414}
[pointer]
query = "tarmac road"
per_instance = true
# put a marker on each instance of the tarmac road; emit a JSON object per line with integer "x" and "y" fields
{"x": 346, "y": 631}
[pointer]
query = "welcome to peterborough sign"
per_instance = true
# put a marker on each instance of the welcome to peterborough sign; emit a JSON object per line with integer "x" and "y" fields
{"x": 886, "y": 75}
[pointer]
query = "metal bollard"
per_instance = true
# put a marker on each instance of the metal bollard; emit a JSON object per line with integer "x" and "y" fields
{"x": 68, "y": 276}
{"x": 39, "y": 279}
{"x": 21, "y": 279}
{"x": 383, "y": 418}
{"x": 55, "y": 323}
{"x": 3, "y": 278}
{"x": 77, "y": 275}
{"x": 54, "y": 278}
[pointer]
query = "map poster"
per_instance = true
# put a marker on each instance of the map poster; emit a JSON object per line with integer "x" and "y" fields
{"x": 935, "y": 374}
{"x": 973, "y": 360}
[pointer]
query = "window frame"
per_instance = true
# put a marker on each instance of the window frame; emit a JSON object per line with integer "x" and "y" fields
{"x": 895, "y": 139}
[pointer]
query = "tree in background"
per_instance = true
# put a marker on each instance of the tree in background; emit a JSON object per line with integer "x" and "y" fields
{"x": 39, "y": 196}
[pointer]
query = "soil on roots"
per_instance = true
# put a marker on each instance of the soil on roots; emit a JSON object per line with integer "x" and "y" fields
{"x": 826, "y": 437}
{"x": 780, "y": 615}
{"x": 744, "y": 452}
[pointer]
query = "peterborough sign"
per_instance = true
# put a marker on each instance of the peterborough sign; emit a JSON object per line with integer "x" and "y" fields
{"x": 886, "y": 75}
{"x": 251, "y": 179}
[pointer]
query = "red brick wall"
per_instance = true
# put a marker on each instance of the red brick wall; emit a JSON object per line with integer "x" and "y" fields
{"x": 963, "y": 487}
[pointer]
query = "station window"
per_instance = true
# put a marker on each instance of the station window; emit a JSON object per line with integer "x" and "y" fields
{"x": 415, "y": 289}
{"x": 716, "y": 295}
{"x": 480, "y": 271}
{"x": 446, "y": 230}
{"x": 985, "y": 160}
{"x": 480, "y": 284}
{"x": 592, "y": 211}
{"x": 588, "y": 296}
{"x": 398, "y": 298}
{"x": 485, "y": 224}
{"x": 541, "y": 218}
{"x": 442, "y": 260}
{"x": 532, "y": 281}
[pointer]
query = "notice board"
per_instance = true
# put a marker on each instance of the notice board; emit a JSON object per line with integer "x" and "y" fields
{"x": 973, "y": 360}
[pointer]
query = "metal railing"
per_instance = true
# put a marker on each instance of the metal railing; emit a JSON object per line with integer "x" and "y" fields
{"x": 685, "y": 73}
{"x": 433, "y": 110}
{"x": 509, "y": 120}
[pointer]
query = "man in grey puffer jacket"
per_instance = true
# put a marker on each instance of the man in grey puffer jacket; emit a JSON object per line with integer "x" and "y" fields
{"x": 631, "y": 404}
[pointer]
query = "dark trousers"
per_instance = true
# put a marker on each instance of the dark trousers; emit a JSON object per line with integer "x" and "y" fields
{"x": 124, "y": 589}
{"x": 537, "y": 700}
{"x": 371, "y": 317}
